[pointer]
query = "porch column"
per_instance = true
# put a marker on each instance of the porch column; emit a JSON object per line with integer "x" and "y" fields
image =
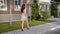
{"x": 46, "y": 7}
{"x": 10, "y": 12}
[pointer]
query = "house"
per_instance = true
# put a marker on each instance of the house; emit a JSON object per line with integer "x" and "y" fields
{"x": 10, "y": 10}
{"x": 44, "y": 5}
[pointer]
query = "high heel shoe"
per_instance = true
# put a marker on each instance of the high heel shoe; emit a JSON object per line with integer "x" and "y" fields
{"x": 22, "y": 30}
{"x": 27, "y": 28}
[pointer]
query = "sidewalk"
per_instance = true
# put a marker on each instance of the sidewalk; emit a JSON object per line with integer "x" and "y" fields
{"x": 35, "y": 29}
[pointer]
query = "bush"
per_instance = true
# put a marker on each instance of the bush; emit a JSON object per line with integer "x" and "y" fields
{"x": 46, "y": 15}
{"x": 35, "y": 9}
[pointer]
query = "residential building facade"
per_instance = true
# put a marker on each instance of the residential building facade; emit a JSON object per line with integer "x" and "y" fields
{"x": 10, "y": 10}
{"x": 44, "y": 5}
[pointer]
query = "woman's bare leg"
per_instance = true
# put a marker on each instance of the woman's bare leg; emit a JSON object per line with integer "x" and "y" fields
{"x": 22, "y": 25}
{"x": 27, "y": 24}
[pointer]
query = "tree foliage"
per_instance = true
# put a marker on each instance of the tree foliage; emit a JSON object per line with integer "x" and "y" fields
{"x": 54, "y": 9}
{"x": 57, "y": 0}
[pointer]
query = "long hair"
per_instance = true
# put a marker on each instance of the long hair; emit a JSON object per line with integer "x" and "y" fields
{"x": 22, "y": 8}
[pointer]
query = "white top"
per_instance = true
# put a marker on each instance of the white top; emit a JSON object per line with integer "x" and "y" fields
{"x": 25, "y": 11}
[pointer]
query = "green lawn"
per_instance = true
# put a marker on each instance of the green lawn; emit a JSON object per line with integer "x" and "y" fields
{"x": 5, "y": 27}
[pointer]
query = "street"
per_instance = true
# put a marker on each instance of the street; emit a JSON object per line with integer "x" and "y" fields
{"x": 56, "y": 31}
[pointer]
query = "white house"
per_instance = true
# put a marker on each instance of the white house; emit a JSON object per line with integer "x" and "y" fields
{"x": 44, "y": 4}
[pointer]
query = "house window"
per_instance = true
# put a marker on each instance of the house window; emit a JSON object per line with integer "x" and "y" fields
{"x": 48, "y": 7}
{"x": 3, "y": 4}
{"x": 43, "y": 7}
{"x": 17, "y": 4}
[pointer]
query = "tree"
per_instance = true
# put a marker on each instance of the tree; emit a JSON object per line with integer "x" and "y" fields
{"x": 54, "y": 9}
{"x": 35, "y": 9}
{"x": 57, "y": 0}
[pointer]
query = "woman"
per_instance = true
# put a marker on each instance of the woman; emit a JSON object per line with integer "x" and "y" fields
{"x": 24, "y": 16}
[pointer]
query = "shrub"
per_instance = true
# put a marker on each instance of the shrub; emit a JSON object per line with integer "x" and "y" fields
{"x": 46, "y": 15}
{"x": 35, "y": 9}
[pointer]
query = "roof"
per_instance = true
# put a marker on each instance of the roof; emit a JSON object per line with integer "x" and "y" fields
{"x": 47, "y": 1}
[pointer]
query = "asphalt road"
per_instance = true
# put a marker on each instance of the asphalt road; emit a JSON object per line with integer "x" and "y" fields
{"x": 56, "y": 31}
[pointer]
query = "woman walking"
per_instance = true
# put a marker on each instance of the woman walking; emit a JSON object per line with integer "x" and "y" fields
{"x": 24, "y": 16}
